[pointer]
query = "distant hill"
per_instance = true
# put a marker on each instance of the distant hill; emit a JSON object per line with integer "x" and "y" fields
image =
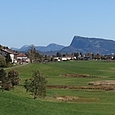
{"x": 94, "y": 45}
{"x": 50, "y": 48}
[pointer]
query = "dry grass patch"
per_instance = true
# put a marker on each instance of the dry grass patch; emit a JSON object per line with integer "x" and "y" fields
{"x": 74, "y": 99}
{"x": 103, "y": 82}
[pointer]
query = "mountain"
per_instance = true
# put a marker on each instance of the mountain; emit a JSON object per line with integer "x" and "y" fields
{"x": 50, "y": 48}
{"x": 25, "y": 47}
{"x": 94, "y": 45}
{"x": 70, "y": 49}
{"x": 78, "y": 44}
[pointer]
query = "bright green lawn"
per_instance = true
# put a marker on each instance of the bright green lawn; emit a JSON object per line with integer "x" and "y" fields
{"x": 17, "y": 102}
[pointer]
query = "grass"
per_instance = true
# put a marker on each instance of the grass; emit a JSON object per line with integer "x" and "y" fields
{"x": 17, "y": 101}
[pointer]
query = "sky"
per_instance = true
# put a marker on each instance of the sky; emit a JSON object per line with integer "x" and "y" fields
{"x": 41, "y": 22}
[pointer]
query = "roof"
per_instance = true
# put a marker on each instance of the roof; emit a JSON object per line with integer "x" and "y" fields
{"x": 21, "y": 55}
{"x": 9, "y": 51}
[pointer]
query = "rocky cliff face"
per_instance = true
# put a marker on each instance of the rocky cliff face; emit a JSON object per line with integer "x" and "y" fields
{"x": 94, "y": 45}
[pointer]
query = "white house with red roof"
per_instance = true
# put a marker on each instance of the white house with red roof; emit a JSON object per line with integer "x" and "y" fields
{"x": 12, "y": 54}
{"x": 21, "y": 57}
{"x": 15, "y": 57}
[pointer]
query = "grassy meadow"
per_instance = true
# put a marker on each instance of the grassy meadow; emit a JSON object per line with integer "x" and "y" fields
{"x": 89, "y": 102}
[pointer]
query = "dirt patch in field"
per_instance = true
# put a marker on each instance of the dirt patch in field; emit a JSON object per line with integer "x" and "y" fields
{"x": 103, "y": 82}
{"x": 91, "y": 87}
{"x": 80, "y": 76}
{"x": 74, "y": 99}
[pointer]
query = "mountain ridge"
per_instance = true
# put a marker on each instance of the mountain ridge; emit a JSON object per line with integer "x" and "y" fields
{"x": 78, "y": 44}
{"x": 50, "y": 47}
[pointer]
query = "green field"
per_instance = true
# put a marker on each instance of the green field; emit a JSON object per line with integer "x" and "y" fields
{"x": 90, "y": 102}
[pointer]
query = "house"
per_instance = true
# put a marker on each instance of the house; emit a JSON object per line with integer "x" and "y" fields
{"x": 12, "y": 54}
{"x": 21, "y": 57}
{"x": 65, "y": 57}
{"x": 56, "y": 59}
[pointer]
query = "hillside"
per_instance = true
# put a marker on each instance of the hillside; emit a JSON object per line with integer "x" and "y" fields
{"x": 86, "y": 101}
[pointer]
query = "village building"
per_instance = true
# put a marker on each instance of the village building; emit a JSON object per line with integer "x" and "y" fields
{"x": 21, "y": 58}
{"x": 15, "y": 57}
{"x": 12, "y": 54}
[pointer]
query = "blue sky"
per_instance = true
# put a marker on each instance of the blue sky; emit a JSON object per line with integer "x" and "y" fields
{"x": 41, "y": 22}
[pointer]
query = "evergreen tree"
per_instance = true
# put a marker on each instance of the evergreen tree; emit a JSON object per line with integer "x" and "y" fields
{"x": 8, "y": 81}
{"x": 2, "y": 75}
{"x": 5, "y": 82}
{"x": 8, "y": 58}
{"x": 2, "y": 61}
{"x": 1, "y": 46}
{"x": 58, "y": 54}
